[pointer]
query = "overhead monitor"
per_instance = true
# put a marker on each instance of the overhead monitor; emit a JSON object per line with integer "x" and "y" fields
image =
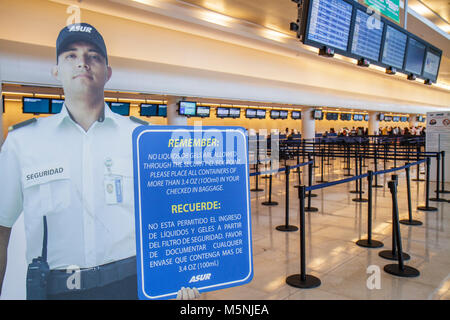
{"x": 357, "y": 117}
{"x": 317, "y": 114}
{"x": 394, "y": 47}
{"x": 420, "y": 118}
{"x": 381, "y": 117}
{"x": 202, "y": 111}
{"x": 235, "y": 112}
{"x": 187, "y": 108}
{"x": 261, "y": 113}
{"x": 432, "y": 63}
{"x": 415, "y": 54}
{"x": 274, "y": 114}
{"x": 296, "y": 115}
{"x": 284, "y": 114}
{"x": 250, "y": 113}
{"x": 332, "y": 116}
{"x": 329, "y": 23}
{"x": 56, "y": 105}
{"x": 122, "y": 108}
{"x": 222, "y": 112}
{"x": 148, "y": 110}
{"x": 396, "y": 118}
{"x": 366, "y": 40}
{"x": 404, "y": 119}
{"x": 162, "y": 110}
{"x": 346, "y": 116}
{"x": 387, "y": 118}
{"x": 35, "y": 105}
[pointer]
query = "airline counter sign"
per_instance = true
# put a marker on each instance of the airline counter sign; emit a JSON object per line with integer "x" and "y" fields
{"x": 192, "y": 209}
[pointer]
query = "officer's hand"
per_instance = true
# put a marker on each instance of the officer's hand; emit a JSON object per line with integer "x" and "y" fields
{"x": 188, "y": 293}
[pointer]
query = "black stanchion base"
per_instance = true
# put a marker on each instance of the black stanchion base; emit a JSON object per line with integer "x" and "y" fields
{"x": 418, "y": 179}
{"x": 286, "y": 228}
{"x": 313, "y": 195}
{"x": 256, "y": 190}
{"x": 269, "y": 203}
{"x": 425, "y": 208}
{"x": 265, "y": 177}
{"x": 408, "y": 272}
{"x": 372, "y": 244}
{"x": 321, "y": 181}
{"x": 444, "y": 191}
{"x": 349, "y": 175}
{"x": 377, "y": 186}
{"x": 310, "y": 281}
{"x": 437, "y": 200}
{"x": 356, "y": 192}
{"x": 387, "y": 254}
{"x": 311, "y": 209}
{"x": 360, "y": 200}
{"x": 411, "y": 222}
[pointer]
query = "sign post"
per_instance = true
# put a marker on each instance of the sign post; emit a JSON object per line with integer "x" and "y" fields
{"x": 192, "y": 209}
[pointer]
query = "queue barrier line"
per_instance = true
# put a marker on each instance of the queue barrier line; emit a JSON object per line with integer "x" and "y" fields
{"x": 333, "y": 183}
{"x": 280, "y": 170}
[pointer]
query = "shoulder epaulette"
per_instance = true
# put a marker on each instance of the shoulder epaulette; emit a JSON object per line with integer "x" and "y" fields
{"x": 22, "y": 124}
{"x": 137, "y": 120}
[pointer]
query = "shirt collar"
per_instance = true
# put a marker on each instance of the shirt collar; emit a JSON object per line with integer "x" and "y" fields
{"x": 108, "y": 115}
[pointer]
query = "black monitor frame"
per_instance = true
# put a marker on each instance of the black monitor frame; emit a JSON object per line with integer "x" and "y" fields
{"x": 222, "y": 116}
{"x": 23, "y": 105}
{"x": 299, "y": 113}
{"x": 129, "y": 107}
{"x": 272, "y": 114}
{"x": 187, "y": 115}
{"x": 203, "y": 115}
{"x": 234, "y": 116}
{"x": 304, "y": 27}
{"x": 251, "y": 117}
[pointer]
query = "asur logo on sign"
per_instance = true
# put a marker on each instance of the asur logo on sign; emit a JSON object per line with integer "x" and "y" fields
{"x": 200, "y": 277}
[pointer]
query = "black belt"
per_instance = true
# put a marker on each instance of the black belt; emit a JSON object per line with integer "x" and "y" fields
{"x": 91, "y": 277}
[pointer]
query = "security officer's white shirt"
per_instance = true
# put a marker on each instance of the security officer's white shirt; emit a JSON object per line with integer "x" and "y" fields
{"x": 54, "y": 168}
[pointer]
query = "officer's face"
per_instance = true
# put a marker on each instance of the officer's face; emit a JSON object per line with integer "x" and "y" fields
{"x": 82, "y": 69}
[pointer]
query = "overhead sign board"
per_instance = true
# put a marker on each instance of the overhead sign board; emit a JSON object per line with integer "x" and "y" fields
{"x": 388, "y": 8}
{"x": 192, "y": 209}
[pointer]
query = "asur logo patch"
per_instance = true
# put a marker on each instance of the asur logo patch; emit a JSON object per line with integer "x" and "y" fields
{"x": 200, "y": 277}
{"x": 78, "y": 28}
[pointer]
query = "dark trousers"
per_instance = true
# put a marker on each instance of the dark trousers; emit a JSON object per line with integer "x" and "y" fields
{"x": 125, "y": 289}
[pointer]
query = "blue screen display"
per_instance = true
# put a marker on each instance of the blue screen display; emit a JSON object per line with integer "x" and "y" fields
{"x": 162, "y": 110}
{"x": 431, "y": 67}
{"x": 187, "y": 108}
{"x": 122, "y": 108}
{"x": 367, "y": 36}
{"x": 149, "y": 110}
{"x": 36, "y": 105}
{"x": 329, "y": 23}
{"x": 415, "y": 56}
{"x": 394, "y": 48}
{"x": 56, "y": 105}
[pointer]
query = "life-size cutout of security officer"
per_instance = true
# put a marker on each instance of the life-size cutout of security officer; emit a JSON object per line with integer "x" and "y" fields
{"x": 71, "y": 175}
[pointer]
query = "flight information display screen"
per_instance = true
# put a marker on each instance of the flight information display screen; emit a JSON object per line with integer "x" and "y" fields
{"x": 366, "y": 37}
{"x": 187, "y": 108}
{"x": 56, "y": 105}
{"x": 394, "y": 48}
{"x": 431, "y": 67}
{"x": 414, "y": 56}
{"x": 329, "y": 23}
{"x": 122, "y": 108}
{"x": 36, "y": 105}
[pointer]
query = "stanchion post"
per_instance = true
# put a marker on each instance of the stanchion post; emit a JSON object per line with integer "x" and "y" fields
{"x": 392, "y": 254}
{"x": 310, "y": 170}
{"x": 427, "y": 189}
{"x": 410, "y": 221}
{"x": 398, "y": 269}
{"x": 369, "y": 243}
{"x": 302, "y": 280}
{"x": 286, "y": 226}
{"x": 270, "y": 202}
{"x": 322, "y": 166}
{"x": 443, "y": 173}
{"x": 438, "y": 178}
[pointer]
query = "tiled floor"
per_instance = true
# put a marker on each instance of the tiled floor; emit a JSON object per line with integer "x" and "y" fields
{"x": 331, "y": 252}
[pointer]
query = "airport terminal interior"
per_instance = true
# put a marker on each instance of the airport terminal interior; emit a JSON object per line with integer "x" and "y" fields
{"x": 327, "y": 116}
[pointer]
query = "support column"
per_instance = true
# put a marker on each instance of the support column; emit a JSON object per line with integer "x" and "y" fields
{"x": 1, "y": 116}
{"x": 173, "y": 118}
{"x": 374, "y": 124}
{"x": 308, "y": 124}
{"x": 412, "y": 120}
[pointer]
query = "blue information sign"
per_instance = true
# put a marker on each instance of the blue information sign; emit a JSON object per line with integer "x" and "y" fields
{"x": 192, "y": 209}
